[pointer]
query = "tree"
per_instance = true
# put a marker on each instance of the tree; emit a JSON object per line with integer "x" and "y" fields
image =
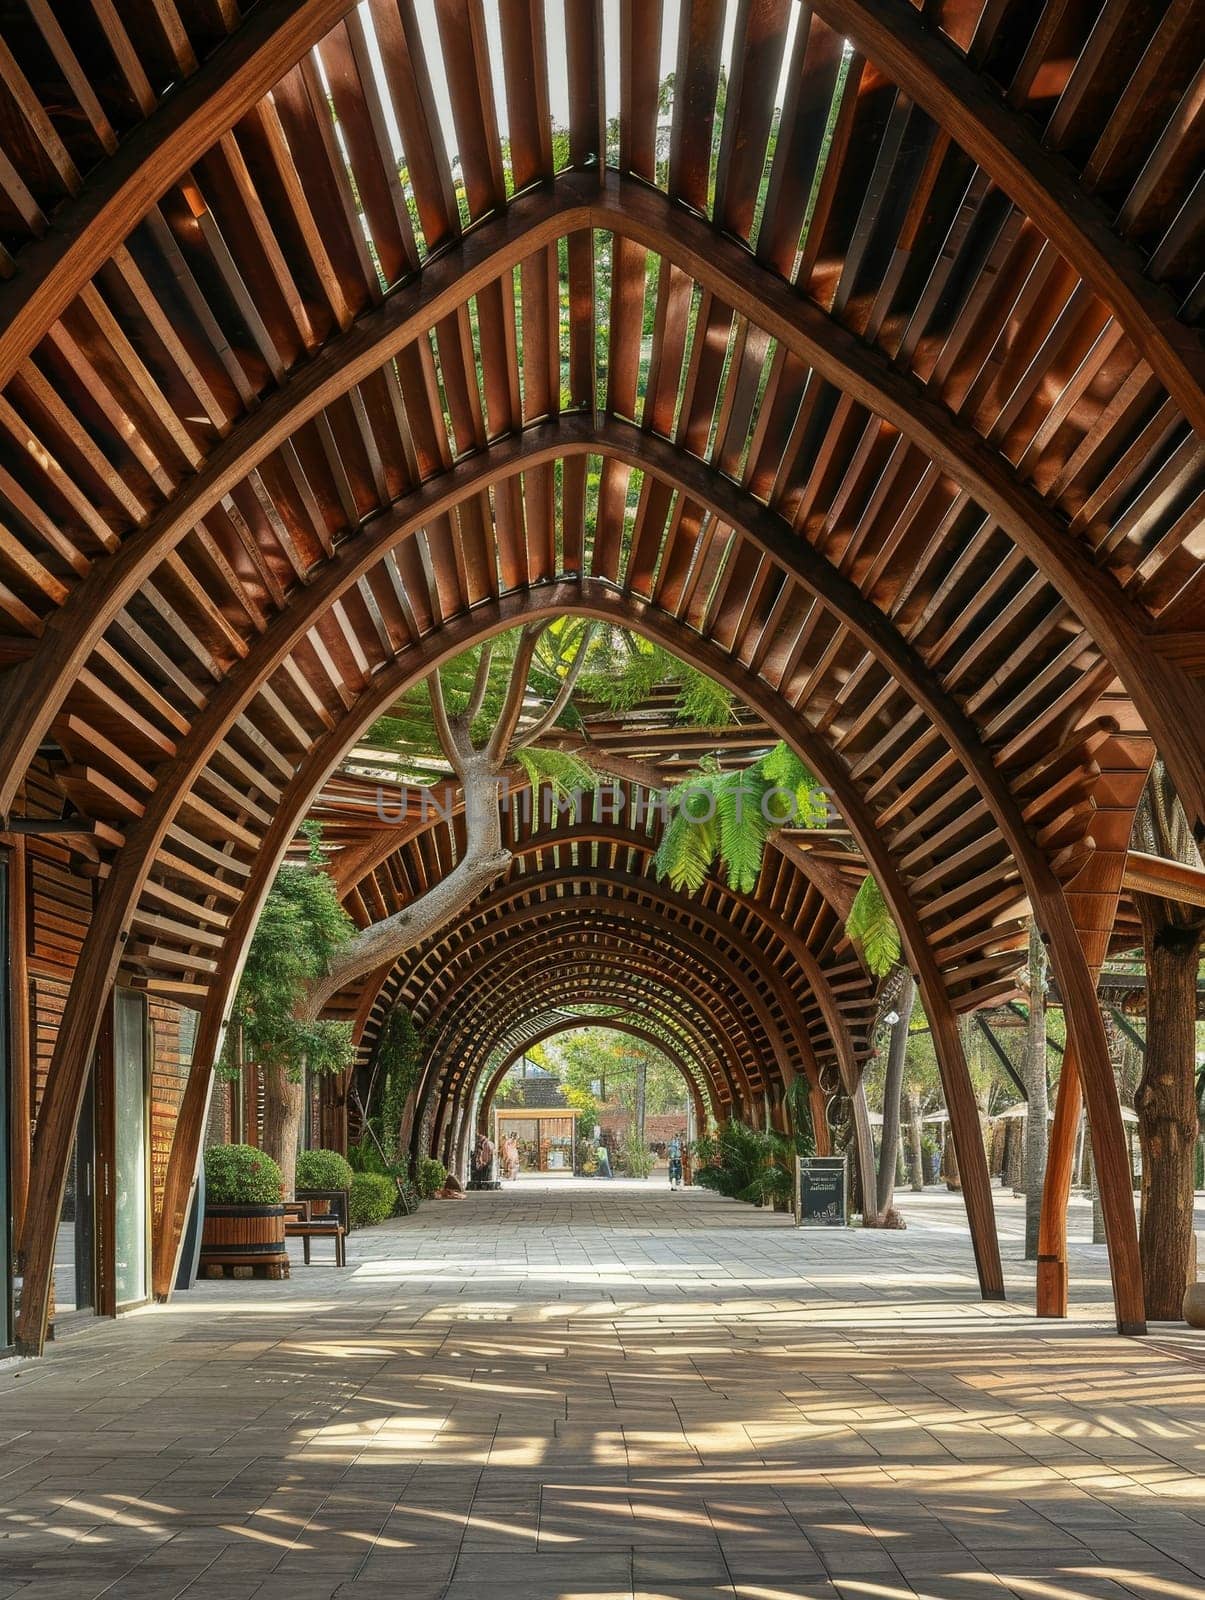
{"x": 496, "y": 711}
{"x": 893, "y": 1088}
{"x": 1166, "y": 1101}
{"x": 1036, "y": 1094}
{"x": 605, "y": 1064}
{"x": 300, "y": 932}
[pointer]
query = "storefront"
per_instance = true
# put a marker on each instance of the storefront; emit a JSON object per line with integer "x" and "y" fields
{"x": 546, "y": 1139}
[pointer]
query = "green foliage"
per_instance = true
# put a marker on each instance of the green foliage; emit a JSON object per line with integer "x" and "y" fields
{"x": 623, "y": 670}
{"x": 239, "y": 1175}
{"x": 365, "y": 1157}
{"x": 323, "y": 1169}
{"x": 300, "y": 928}
{"x": 408, "y": 728}
{"x": 635, "y": 1158}
{"x": 372, "y": 1198}
{"x": 431, "y": 1177}
{"x": 565, "y": 774}
{"x": 729, "y": 816}
{"x": 399, "y": 1062}
{"x": 733, "y": 1160}
{"x": 872, "y": 927}
{"x": 602, "y": 1056}
{"x": 799, "y": 1109}
{"x": 754, "y": 1164}
{"x": 581, "y": 1100}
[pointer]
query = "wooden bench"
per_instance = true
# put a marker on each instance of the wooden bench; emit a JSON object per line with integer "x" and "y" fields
{"x": 300, "y": 1223}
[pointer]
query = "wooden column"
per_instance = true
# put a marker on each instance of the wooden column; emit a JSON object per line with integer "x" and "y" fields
{"x": 20, "y": 1067}
{"x": 1056, "y": 1191}
{"x": 1089, "y": 902}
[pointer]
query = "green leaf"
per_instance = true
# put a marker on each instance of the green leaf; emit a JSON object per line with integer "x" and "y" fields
{"x": 871, "y": 926}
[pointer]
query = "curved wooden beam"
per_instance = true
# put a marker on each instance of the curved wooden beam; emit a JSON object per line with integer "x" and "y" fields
{"x": 929, "y": 70}
{"x": 451, "y": 1083}
{"x": 591, "y": 598}
{"x": 620, "y": 987}
{"x": 617, "y": 1025}
{"x": 588, "y": 597}
{"x": 85, "y": 231}
{"x": 630, "y": 839}
{"x": 521, "y": 970}
{"x": 1172, "y": 704}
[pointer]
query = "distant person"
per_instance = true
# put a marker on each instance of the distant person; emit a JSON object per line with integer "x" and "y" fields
{"x": 483, "y": 1160}
{"x": 510, "y": 1156}
{"x": 604, "y": 1161}
{"x": 675, "y": 1162}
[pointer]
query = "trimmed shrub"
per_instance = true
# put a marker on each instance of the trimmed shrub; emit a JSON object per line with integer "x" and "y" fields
{"x": 432, "y": 1175}
{"x": 372, "y": 1199}
{"x": 323, "y": 1169}
{"x": 238, "y": 1175}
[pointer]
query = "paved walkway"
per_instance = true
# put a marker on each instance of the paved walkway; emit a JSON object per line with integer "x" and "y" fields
{"x": 592, "y": 1390}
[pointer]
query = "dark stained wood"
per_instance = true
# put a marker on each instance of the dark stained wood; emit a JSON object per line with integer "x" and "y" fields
{"x": 55, "y": 268}
{"x": 929, "y": 70}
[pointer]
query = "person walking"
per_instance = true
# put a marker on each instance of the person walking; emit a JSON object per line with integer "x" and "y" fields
{"x": 510, "y": 1157}
{"x": 603, "y": 1156}
{"x": 675, "y": 1162}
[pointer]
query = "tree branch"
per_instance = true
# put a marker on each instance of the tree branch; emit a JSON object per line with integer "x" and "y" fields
{"x": 481, "y": 684}
{"x": 447, "y": 735}
{"x": 512, "y": 709}
{"x": 485, "y": 858}
{"x": 549, "y": 719}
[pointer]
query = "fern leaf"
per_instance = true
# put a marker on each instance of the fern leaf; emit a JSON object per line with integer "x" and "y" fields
{"x": 871, "y": 926}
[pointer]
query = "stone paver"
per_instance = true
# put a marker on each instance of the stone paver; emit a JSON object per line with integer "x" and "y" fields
{"x": 583, "y": 1389}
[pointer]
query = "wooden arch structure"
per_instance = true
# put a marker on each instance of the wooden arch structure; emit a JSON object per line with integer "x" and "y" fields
{"x": 866, "y": 378}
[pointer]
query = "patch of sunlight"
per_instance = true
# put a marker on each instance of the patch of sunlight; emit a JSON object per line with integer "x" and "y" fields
{"x": 259, "y": 1536}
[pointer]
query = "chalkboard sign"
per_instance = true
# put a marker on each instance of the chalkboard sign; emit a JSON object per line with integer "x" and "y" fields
{"x": 820, "y": 1192}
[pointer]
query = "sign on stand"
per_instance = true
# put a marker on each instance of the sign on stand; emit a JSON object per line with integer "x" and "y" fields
{"x": 821, "y": 1192}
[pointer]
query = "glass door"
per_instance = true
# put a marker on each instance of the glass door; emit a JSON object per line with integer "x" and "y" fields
{"x": 130, "y": 1167}
{"x": 73, "y": 1282}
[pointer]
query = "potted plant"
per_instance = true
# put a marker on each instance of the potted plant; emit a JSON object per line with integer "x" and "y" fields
{"x": 319, "y": 1173}
{"x": 244, "y": 1218}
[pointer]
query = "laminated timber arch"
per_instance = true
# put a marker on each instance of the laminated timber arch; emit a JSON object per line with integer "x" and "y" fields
{"x": 758, "y": 1044}
{"x": 1173, "y": 704}
{"x": 587, "y": 597}
{"x": 971, "y": 413}
{"x": 537, "y": 1027}
{"x": 754, "y": 924}
{"x": 444, "y": 973}
{"x": 599, "y": 977}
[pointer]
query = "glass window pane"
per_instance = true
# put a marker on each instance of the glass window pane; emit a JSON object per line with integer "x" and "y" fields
{"x": 129, "y": 1104}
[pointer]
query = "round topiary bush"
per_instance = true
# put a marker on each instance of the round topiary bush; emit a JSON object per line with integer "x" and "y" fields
{"x": 238, "y": 1175}
{"x": 432, "y": 1175}
{"x": 323, "y": 1169}
{"x": 373, "y": 1198}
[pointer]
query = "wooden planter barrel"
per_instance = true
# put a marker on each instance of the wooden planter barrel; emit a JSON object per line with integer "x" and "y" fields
{"x": 244, "y": 1236}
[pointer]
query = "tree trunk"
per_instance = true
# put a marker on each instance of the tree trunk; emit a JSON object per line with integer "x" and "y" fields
{"x": 950, "y": 1162}
{"x": 485, "y": 858}
{"x": 283, "y": 1105}
{"x": 914, "y": 1134}
{"x": 1166, "y": 1104}
{"x": 641, "y": 1095}
{"x": 1036, "y": 1127}
{"x": 893, "y": 1087}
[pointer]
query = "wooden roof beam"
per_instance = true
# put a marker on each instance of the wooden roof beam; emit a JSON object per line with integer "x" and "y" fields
{"x": 85, "y": 232}
{"x": 1005, "y": 145}
{"x": 1171, "y": 703}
